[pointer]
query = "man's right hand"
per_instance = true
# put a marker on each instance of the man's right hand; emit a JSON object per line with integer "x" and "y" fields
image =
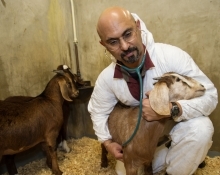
{"x": 114, "y": 148}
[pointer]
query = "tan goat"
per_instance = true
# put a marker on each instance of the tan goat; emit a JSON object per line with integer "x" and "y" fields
{"x": 122, "y": 121}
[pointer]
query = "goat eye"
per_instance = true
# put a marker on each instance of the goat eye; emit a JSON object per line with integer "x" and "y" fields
{"x": 184, "y": 83}
{"x": 177, "y": 79}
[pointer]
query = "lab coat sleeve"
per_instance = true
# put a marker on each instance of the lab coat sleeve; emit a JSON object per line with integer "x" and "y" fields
{"x": 101, "y": 104}
{"x": 181, "y": 62}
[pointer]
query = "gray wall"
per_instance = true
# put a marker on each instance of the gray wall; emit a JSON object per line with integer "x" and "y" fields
{"x": 36, "y": 36}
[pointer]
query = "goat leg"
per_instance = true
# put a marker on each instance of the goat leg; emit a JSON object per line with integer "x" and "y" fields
{"x": 45, "y": 148}
{"x": 10, "y": 164}
{"x": 104, "y": 159}
{"x": 148, "y": 170}
{"x": 51, "y": 148}
{"x": 55, "y": 167}
{"x": 51, "y": 155}
{"x": 51, "y": 158}
{"x": 62, "y": 138}
{"x": 130, "y": 170}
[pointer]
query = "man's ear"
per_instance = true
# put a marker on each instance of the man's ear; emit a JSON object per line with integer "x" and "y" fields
{"x": 138, "y": 24}
{"x": 101, "y": 42}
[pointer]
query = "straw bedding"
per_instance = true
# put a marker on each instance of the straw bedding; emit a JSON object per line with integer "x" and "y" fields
{"x": 84, "y": 159}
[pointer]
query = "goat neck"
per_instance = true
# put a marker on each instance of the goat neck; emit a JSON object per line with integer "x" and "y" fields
{"x": 52, "y": 90}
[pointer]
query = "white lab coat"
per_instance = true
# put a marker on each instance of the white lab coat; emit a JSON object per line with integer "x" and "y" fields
{"x": 166, "y": 58}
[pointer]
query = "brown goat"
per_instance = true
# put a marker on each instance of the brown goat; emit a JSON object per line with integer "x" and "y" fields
{"x": 39, "y": 120}
{"x": 122, "y": 121}
{"x": 61, "y": 140}
{"x": 62, "y": 137}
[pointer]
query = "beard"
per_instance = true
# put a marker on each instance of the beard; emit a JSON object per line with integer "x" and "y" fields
{"x": 132, "y": 58}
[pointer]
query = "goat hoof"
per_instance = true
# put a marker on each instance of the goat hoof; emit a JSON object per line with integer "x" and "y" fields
{"x": 58, "y": 172}
{"x": 49, "y": 164}
{"x": 202, "y": 165}
{"x": 67, "y": 150}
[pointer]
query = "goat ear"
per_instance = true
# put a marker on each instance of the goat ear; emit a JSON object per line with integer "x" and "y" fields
{"x": 159, "y": 99}
{"x": 64, "y": 90}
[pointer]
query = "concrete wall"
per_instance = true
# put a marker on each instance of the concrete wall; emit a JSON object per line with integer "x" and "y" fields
{"x": 37, "y": 36}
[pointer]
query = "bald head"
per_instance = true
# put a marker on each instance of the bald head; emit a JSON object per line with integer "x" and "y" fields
{"x": 111, "y": 18}
{"x": 120, "y": 35}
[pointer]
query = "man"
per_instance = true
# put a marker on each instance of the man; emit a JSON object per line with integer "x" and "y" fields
{"x": 127, "y": 39}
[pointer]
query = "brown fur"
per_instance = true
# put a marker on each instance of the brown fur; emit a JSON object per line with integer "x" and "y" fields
{"x": 37, "y": 120}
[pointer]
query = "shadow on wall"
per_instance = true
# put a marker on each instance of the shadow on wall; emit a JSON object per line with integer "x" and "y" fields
{"x": 4, "y": 88}
{"x": 3, "y": 3}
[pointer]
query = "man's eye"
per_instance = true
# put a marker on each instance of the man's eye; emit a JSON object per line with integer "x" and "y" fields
{"x": 113, "y": 42}
{"x": 127, "y": 35}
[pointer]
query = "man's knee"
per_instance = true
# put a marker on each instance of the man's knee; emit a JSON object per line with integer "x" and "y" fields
{"x": 198, "y": 129}
{"x": 191, "y": 141}
{"x": 202, "y": 129}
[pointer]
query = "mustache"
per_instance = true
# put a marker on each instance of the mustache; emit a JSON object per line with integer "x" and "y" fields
{"x": 130, "y": 49}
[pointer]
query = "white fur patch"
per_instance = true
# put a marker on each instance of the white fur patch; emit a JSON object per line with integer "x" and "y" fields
{"x": 60, "y": 145}
{"x": 65, "y": 67}
{"x": 65, "y": 146}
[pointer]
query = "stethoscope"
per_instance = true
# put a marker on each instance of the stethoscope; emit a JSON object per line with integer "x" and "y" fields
{"x": 138, "y": 71}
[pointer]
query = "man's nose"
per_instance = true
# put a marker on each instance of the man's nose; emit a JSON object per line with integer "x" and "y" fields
{"x": 124, "y": 45}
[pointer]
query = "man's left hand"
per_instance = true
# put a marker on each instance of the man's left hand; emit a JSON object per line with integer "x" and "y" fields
{"x": 148, "y": 113}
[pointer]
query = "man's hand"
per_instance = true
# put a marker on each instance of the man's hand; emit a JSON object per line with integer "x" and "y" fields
{"x": 114, "y": 148}
{"x": 148, "y": 113}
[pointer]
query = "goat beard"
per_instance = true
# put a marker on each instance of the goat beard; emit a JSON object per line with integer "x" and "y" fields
{"x": 132, "y": 58}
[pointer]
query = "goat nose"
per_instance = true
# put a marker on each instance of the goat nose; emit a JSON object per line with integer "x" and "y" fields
{"x": 77, "y": 92}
